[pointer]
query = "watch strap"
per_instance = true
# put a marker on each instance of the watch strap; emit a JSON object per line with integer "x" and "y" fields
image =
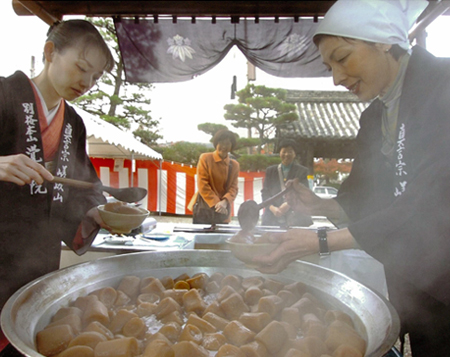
{"x": 323, "y": 241}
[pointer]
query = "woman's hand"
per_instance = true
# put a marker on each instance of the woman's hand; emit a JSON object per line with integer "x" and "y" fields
{"x": 293, "y": 244}
{"x": 222, "y": 206}
{"x": 92, "y": 221}
{"x": 21, "y": 170}
{"x": 275, "y": 210}
{"x": 279, "y": 211}
{"x": 297, "y": 243}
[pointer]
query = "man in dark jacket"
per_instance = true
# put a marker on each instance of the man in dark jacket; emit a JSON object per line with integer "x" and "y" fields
{"x": 279, "y": 214}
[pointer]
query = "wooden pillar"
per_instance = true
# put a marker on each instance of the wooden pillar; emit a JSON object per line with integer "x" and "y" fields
{"x": 421, "y": 39}
{"x": 309, "y": 159}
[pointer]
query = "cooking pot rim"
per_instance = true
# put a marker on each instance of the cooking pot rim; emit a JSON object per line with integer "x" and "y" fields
{"x": 59, "y": 287}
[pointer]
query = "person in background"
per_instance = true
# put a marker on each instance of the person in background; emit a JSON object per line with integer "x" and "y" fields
{"x": 41, "y": 136}
{"x": 279, "y": 213}
{"x": 217, "y": 181}
{"x": 396, "y": 197}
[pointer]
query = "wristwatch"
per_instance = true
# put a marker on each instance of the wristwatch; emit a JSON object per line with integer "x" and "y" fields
{"x": 323, "y": 242}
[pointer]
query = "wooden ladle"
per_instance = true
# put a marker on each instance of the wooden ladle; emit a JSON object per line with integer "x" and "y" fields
{"x": 126, "y": 194}
{"x": 248, "y": 213}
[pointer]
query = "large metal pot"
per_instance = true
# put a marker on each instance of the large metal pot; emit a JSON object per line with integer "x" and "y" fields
{"x": 30, "y": 309}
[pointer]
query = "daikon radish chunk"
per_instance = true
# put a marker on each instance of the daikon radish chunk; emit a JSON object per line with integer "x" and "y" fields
{"x": 193, "y": 302}
{"x": 271, "y": 304}
{"x": 54, "y": 340}
{"x": 191, "y": 333}
{"x": 135, "y": 327}
{"x": 107, "y": 295}
{"x": 255, "y": 349}
{"x": 96, "y": 311}
{"x": 158, "y": 348}
{"x": 202, "y": 324}
{"x": 255, "y": 321}
{"x": 273, "y": 336}
{"x": 120, "y": 319}
{"x": 90, "y": 339}
{"x": 154, "y": 287}
{"x": 228, "y": 350}
{"x": 215, "y": 320}
{"x": 252, "y": 295}
{"x": 234, "y": 306}
{"x": 189, "y": 349}
{"x": 121, "y": 347}
{"x": 166, "y": 306}
{"x": 130, "y": 285}
{"x": 96, "y": 326}
{"x": 171, "y": 330}
{"x": 72, "y": 320}
{"x": 64, "y": 311}
{"x": 213, "y": 341}
{"x": 237, "y": 334}
{"x": 340, "y": 333}
{"x": 77, "y": 351}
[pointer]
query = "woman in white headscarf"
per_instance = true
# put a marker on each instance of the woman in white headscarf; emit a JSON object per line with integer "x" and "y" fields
{"x": 397, "y": 197}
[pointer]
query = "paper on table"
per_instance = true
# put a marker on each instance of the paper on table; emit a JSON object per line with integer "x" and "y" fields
{"x": 173, "y": 241}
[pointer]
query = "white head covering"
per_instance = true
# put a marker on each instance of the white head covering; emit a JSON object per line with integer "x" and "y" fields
{"x": 381, "y": 21}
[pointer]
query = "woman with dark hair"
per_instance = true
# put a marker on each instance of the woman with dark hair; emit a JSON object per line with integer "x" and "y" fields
{"x": 396, "y": 198}
{"x": 41, "y": 136}
{"x": 217, "y": 181}
{"x": 279, "y": 213}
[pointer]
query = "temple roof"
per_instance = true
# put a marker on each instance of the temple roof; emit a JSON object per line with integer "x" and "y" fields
{"x": 328, "y": 122}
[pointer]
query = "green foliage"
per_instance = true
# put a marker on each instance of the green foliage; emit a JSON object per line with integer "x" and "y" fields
{"x": 211, "y": 128}
{"x": 147, "y": 137}
{"x": 117, "y": 121}
{"x": 243, "y": 143}
{"x": 116, "y": 101}
{"x": 183, "y": 152}
{"x": 257, "y": 162}
{"x": 262, "y": 109}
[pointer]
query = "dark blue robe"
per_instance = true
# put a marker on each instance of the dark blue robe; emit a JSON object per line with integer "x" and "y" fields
{"x": 400, "y": 207}
{"x": 35, "y": 219}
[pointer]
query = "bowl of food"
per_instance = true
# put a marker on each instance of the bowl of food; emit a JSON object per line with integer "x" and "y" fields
{"x": 121, "y": 217}
{"x": 38, "y": 304}
{"x": 245, "y": 247}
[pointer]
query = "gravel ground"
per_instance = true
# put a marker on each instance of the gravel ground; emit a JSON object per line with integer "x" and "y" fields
{"x": 318, "y": 221}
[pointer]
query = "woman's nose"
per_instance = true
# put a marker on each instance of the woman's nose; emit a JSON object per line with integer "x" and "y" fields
{"x": 338, "y": 76}
{"x": 88, "y": 81}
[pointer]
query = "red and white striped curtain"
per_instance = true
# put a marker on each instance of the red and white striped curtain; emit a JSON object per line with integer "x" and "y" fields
{"x": 170, "y": 186}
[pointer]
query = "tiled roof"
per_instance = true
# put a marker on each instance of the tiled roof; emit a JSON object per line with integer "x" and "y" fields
{"x": 328, "y": 123}
{"x": 329, "y": 115}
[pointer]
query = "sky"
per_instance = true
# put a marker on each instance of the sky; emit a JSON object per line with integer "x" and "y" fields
{"x": 179, "y": 106}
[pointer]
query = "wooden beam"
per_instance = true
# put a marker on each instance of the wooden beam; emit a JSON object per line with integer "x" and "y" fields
{"x": 432, "y": 12}
{"x": 183, "y": 8}
{"x": 22, "y": 7}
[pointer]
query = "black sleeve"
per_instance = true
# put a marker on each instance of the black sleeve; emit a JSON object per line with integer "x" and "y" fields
{"x": 271, "y": 184}
{"x": 302, "y": 175}
{"x": 411, "y": 234}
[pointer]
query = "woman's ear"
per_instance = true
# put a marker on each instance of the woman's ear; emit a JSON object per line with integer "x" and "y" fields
{"x": 49, "y": 51}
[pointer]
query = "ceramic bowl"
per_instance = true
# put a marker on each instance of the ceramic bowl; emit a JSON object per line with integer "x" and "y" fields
{"x": 122, "y": 223}
{"x": 245, "y": 252}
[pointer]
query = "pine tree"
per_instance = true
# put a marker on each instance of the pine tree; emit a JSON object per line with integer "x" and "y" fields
{"x": 114, "y": 100}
